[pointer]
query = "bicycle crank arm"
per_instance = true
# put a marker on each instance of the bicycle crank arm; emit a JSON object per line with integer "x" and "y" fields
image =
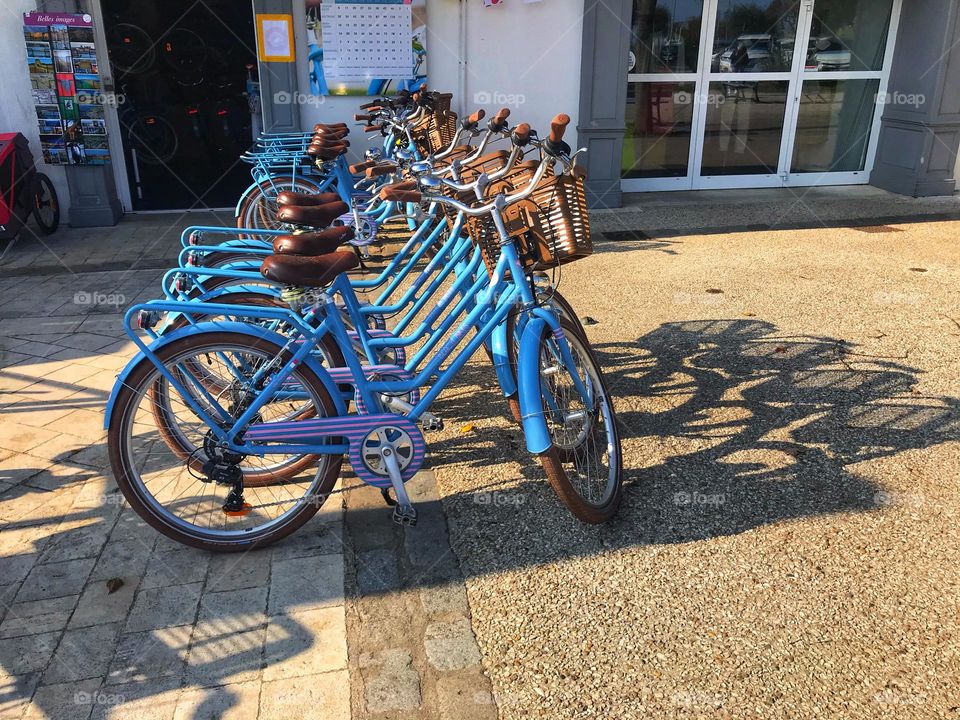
{"x": 404, "y": 513}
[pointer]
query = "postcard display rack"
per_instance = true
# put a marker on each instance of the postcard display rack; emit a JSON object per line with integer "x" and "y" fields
{"x": 62, "y": 57}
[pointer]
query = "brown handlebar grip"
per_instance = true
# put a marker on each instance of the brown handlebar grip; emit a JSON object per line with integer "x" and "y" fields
{"x": 371, "y": 128}
{"x": 558, "y": 126}
{"x": 362, "y": 167}
{"x": 363, "y": 118}
{"x": 477, "y": 117}
{"x": 381, "y": 169}
{"x": 400, "y": 194}
{"x": 522, "y": 133}
{"x": 579, "y": 171}
{"x": 501, "y": 117}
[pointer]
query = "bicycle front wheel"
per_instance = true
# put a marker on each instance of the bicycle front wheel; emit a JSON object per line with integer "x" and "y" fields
{"x": 171, "y": 492}
{"x": 584, "y": 466}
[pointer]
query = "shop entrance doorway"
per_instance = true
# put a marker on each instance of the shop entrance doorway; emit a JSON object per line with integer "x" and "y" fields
{"x": 755, "y": 93}
{"x": 180, "y": 71}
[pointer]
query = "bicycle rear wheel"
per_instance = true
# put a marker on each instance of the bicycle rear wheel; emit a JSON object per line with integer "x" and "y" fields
{"x": 167, "y": 407}
{"x": 584, "y": 465}
{"x": 258, "y": 208}
{"x": 183, "y": 504}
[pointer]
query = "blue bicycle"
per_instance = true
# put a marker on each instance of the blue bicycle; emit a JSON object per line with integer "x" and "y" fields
{"x": 243, "y": 393}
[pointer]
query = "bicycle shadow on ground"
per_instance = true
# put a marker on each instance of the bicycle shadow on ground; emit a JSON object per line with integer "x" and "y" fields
{"x": 726, "y": 426}
{"x": 233, "y": 628}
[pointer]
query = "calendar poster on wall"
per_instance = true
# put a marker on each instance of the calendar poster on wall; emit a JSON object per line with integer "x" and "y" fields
{"x": 65, "y": 82}
{"x": 366, "y": 48}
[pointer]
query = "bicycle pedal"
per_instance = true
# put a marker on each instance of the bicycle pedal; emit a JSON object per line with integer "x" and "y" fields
{"x": 405, "y": 515}
{"x": 431, "y": 423}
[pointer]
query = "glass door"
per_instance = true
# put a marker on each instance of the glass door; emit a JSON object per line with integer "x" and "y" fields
{"x": 841, "y": 91}
{"x": 663, "y": 76}
{"x": 755, "y": 93}
{"x": 746, "y": 92}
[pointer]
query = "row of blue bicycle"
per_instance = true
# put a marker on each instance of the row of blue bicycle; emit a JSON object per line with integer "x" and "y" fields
{"x": 269, "y": 358}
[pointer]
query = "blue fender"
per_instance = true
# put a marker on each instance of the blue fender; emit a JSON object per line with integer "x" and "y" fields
{"x": 231, "y": 326}
{"x": 501, "y": 361}
{"x": 528, "y": 379}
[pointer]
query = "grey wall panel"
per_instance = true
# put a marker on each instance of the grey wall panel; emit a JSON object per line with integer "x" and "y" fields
{"x": 901, "y": 146}
{"x": 278, "y": 80}
{"x": 917, "y": 146}
{"x": 603, "y": 95}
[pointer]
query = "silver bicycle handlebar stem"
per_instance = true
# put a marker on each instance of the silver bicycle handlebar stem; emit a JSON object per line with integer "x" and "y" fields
{"x": 500, "y": 201}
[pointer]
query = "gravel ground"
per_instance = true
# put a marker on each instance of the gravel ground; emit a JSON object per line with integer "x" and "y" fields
{"x": 788, "y": 541}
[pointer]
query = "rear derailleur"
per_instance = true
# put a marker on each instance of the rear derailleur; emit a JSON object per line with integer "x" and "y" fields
{"x": 223, "y": 468}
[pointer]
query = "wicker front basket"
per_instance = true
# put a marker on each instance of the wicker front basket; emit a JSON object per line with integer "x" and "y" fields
{"x": 551, "y": 227}
{"x": 435, "y": 131}
{"x": 443, "y": 128}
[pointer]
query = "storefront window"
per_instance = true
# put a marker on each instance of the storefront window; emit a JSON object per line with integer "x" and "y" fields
{"x": 848, "y": 35}
{"x": 665, "y": 36}
{"x": 659, "y": 121}
{"x": 756, "y": 36}
{"x": 744, "y": 128}
{"x": 834, "y": 124}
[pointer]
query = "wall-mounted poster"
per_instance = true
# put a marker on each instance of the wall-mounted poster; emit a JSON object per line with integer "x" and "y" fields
{"x": 62, "y": 59}
{"x": 374, "y": 47}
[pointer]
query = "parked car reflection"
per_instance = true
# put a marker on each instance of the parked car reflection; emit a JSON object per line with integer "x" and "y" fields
{"x": 827, "y": 54}
{"x": 758, "y": 52}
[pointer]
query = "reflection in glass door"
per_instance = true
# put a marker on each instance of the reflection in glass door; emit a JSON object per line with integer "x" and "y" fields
{"x": 748, "y": 87}
{"x": 665, "y": 55}
{"x": 754, "y": 93}
{"x": 842, "y": 85}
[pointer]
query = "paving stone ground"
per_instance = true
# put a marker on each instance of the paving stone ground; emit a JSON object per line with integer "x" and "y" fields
{"x": 100, "y": 616}
{"x": 787, "y": 547}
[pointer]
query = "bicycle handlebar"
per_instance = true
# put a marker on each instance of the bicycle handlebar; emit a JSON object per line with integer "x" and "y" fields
{"x": 558, "y": 126}
{"x": 380, "y": 169}
{"x": 521, "y": 135}
{"x": 499, "y": 121}
{"x": 472, "y": 121}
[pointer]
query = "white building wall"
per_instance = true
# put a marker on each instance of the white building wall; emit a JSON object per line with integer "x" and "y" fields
{"x": 518, "y": 54}
{"x": 523, "y": 55}
{"x": 17, "y": 113}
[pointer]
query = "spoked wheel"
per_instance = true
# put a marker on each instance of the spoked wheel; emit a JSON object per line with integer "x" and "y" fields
{"x": 185, "y": 52}
{"x": 584, "y": 465}
{"x": 153, "y": 138}
{"x": 131, "y": 49}
{"x": 258, "y": 208}
{"x": 216, "y": 375}
{"x": 183, "y": 503}
{"x": 46, "y": 206}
